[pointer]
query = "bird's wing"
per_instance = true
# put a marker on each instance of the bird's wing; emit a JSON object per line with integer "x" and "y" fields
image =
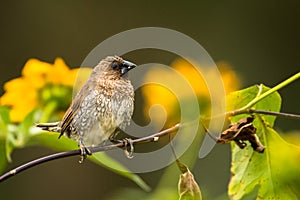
{"x": 69, "y": 115}
{"x": 73, "y": 109}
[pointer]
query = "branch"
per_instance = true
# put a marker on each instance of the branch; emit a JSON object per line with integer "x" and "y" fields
{"x": 122, "y": 144}
{"x": 247, "y": 111}
{"x": 265, "y": 112}
{"x": 251, "y": 111}
{"x": 278, "y": 114}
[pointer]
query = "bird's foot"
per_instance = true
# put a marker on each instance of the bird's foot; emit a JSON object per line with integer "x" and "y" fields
{"x": 127, "y": 145}
{"x": 128, "y": 151}
{"x": 84, "y": 151}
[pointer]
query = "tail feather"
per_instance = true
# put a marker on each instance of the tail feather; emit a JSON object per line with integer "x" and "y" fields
{"x": 51, "y": 127}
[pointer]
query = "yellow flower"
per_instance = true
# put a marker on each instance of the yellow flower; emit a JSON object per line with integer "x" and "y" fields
{"x": 39, "y": 84}
{"x": 172, "y": 87}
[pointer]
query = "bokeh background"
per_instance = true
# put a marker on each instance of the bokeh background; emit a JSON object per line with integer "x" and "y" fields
{"x": 260, "y": 39}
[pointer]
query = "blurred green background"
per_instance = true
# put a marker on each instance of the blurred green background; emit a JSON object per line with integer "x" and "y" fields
{"x": 260, "y": 39}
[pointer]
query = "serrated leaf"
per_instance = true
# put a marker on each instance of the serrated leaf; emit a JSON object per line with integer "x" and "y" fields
{"x": 272, "y": 174}
{"x": 64, "y": 144}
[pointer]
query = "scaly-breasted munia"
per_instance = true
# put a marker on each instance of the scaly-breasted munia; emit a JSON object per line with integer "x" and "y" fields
{"x": 104, "y": 103}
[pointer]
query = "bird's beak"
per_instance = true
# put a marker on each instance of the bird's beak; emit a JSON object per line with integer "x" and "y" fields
{"x": 126, "y": 66}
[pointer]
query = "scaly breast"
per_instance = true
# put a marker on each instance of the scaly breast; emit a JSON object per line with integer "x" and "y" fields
{"x": 113, "y": 107}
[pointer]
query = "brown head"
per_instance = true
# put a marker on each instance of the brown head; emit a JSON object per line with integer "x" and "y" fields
{"x": 113, "y": 67}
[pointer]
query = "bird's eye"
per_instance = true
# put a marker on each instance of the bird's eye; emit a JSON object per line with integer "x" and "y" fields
{"x": 115, "y": 65}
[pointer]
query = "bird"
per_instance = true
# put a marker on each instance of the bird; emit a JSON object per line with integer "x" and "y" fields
{"x": 104, "y": 103}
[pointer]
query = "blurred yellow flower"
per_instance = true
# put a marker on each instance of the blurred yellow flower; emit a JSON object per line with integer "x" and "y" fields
{"x": 171, "y": 89}
{"x": 39, "y": 82}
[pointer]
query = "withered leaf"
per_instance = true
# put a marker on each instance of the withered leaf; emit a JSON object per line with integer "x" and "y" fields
{"x": 187, "y": 186}
{"x": 240, "y": 132}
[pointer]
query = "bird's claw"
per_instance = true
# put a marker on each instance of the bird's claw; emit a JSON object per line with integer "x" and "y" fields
{"x": 128, "y": 152}
{"x": 84, "y": 151}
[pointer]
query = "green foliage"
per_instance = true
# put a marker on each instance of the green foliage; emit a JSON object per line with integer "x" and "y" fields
{"x": 25, "y": 134}
{"x": 4, "y": 121}
{"x": 64, "y": 144}
{"x": 3, "y": 157}
{"x": 272, "y": 174}
{"x": 102, "y": 159}
{"x": 241, "y": 98}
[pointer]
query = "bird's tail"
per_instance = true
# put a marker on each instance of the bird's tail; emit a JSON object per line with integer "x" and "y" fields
{"x": 52, "y": 126}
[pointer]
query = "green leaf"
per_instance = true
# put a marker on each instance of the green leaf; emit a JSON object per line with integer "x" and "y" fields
{"x": 4, "y": 121}
{"x": 4, "y": 124}
{"x": 25, "y": 126}
{"x": 10, "y": 142}
{"x": 275, "y": 171}
{"x": 3, "y": 157}
{"x": 6, "y": 136}
{"x": 102, "y": 159}
{"x": 17, "y": 135}
{"x": 238, "y": 99}
{"x": 269, "y": 175}
{"x": 64, "y": 144}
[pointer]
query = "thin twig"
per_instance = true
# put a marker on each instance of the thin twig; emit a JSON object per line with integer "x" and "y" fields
{"x": 265, "y": 112}
{"x": 251, "y": 111}
{"x": 208, "y": 132}
{"x": 279, "y": 114}
{"x": 150, "y": 138}
{"x": 37, "y": 162}
{"x": 248, "y": 111}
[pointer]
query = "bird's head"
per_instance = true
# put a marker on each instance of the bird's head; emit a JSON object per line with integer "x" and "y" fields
{"x": 123, "y": 66}
{"x": 114, "y": 66}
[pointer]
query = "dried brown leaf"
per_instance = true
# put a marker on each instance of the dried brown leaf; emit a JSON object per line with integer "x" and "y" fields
{"x": 187, "y": 186}
{"x": 240, "y": 132}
